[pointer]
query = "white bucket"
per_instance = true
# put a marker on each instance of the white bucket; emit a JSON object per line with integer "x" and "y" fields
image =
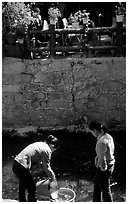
{"x": 47, "y": 190}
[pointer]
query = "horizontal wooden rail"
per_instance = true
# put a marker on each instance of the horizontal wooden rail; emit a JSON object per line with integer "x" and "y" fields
{"x": 67, "y": 48}
{"x": 102, "y": 47}
{"x": 39, "y": 49}
{"x": 74, "y": 48}
{"x": 75, "y": 31}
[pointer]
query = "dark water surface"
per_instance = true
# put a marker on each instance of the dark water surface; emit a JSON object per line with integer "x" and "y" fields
{"x": 73, "y": 163}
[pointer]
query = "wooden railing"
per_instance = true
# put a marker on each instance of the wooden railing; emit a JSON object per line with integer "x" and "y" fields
{"x": 116, "y": 44}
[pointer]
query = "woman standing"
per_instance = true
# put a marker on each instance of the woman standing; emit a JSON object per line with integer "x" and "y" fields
{"x": 104, "y": 162}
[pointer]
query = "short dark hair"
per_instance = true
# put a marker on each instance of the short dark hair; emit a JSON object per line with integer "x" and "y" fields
{"x": 52, "y": 140}
{"x": 95, "y": 125}
{"x": 36, "y": 9}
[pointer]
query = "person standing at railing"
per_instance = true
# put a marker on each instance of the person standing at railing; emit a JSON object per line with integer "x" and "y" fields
{"x": 39, "y": 24}
{"x": 62, "y": 7}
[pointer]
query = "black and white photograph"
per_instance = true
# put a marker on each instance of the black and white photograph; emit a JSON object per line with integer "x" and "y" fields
{"x": 63, "y": 101}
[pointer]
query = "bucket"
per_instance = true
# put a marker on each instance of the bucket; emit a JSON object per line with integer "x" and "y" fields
{"x": 42, "y": 190}
{"x": 47, "y": 190}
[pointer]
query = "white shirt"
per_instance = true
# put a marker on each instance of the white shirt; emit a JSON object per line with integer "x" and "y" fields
{"x": 105, "y": 151}
{"x": 36, "y": 154}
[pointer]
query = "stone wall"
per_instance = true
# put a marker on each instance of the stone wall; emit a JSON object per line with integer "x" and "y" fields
{"x": 58, "y": 92}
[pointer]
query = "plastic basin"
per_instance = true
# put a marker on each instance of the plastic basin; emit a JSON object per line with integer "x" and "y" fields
{"x": 59, "y": 195}
{"x": 66, "y": 194}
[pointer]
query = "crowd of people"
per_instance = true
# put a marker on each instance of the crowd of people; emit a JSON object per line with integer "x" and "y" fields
{"x": 38, "y": 155}
{"x": 41, "y": 23}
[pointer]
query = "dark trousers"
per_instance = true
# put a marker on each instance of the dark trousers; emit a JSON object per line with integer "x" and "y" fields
{"x": 25, "y": 183}
{"x": 102, "y": 191}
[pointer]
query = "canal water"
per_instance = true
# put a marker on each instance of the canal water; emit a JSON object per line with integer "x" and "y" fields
{"x": 73, "y": 163}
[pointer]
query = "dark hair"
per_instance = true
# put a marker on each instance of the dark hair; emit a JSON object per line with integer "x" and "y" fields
{"x": 36, "y": 9}
{"x": 52, "y": 140}
{"x": 97, "y": 126}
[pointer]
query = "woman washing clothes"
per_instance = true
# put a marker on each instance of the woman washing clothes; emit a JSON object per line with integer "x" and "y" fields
{"x": 37, "y": 154}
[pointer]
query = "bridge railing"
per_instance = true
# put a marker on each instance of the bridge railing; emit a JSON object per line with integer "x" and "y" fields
{"x": 87, "y": 41}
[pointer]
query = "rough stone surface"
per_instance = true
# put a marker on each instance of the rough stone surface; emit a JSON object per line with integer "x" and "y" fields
{"x": 58, "y": 92}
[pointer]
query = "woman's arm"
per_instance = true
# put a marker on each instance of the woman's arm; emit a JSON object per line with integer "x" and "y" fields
{"x": 47, "y": 168}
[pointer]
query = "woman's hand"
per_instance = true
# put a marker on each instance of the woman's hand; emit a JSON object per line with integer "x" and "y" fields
{"x": 54, "y": 184}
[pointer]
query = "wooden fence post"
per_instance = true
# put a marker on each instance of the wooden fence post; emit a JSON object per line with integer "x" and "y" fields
{"x": 119, "y": 38}
{"x": 52, "y": 41}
